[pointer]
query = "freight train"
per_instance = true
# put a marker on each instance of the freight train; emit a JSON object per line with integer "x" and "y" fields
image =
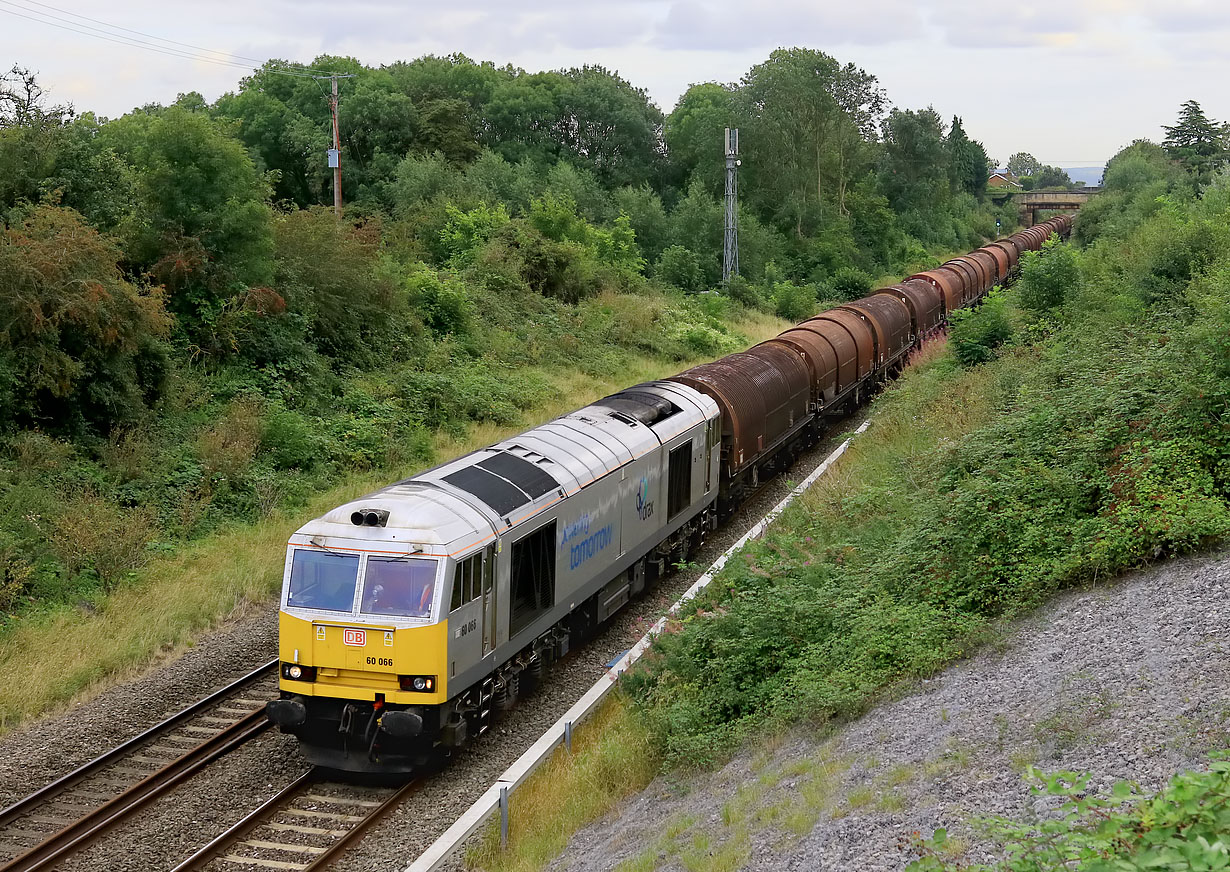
{"x": 412, "y": 616}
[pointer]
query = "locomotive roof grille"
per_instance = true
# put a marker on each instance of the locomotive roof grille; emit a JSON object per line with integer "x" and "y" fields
{"x": 493, "y": 490}
{"x": 532, "y": 479}
{"x": 639, "y": 407}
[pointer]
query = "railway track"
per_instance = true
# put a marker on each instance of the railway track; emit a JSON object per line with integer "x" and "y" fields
{"x": 306, "y": 826}
{"x": 38, "y": 832}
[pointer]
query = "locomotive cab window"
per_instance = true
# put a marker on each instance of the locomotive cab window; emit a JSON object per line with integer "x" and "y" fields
{"x": 532, "y": 577}
{"x": 399, "y": 586}
{"x": 322, "y": 580}
{"x": 679, "y": 480}
{"x": 467, "y": 581}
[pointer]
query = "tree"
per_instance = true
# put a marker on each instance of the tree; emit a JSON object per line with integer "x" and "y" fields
{"x": 450, "y": 94}
{"x": 644, "y": 209}
{"x": 967, "y": 161}
{"x": 681, "y": 267}
{"x": 1138, "y": 165}
{"x": 1046, "y": 177}
{"x": 204, "y": 226}
{"x": 23, "y": 102}
{"x": 79, "y": 345}
{"x": 1196, "y": 142}
{"x": 694, "y": 132}
{"x": 808, "y": 119}
{"x": 915, "y": 169}
{"x": 588, "y": 116}
{"x": 1023, "y": 164}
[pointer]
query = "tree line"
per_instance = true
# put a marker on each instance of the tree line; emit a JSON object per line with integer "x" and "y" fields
{"x": 573, "y": 180}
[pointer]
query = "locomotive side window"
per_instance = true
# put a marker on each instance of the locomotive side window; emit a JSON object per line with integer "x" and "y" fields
{"x": 399, "y": 586}
{"x": 467, "y": 581}
{"x": 679, "y": 480}
{"x": 533, "y": 577}
{"x": 322, "y": 580}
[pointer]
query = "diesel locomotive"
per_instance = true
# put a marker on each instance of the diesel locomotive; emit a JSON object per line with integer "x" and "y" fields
{"x": 412, "y": 616}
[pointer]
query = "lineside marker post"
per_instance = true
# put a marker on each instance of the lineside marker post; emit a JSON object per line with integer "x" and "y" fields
{"x": 503, "y": 817}
{"x": 496, "y": 796}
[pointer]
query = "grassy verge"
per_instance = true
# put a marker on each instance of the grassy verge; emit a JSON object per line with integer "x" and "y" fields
{"x": 612, "y": 757}
{"x": 70, "y": 653}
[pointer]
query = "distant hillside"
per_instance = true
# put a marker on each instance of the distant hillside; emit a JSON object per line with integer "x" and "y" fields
{"x": 1088, "y": 175}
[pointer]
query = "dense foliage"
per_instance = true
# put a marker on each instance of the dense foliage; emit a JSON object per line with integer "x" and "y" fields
{"x": 1095, "y": 443}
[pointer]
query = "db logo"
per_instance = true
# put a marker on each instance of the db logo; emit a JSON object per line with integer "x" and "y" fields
{"x": 358, "y": 638}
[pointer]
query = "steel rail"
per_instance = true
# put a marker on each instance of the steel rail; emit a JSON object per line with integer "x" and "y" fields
{"x": 247, "y": 823}
{"x": 91, "y": 827}
{"x": 353, "y": 835}
{"x": 25, "y": 805}
{"x": 258, "y": 816}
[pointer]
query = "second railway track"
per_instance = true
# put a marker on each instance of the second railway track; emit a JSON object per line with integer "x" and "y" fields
{"x": 76, "y": 810}
{"x": 305, "y": 826}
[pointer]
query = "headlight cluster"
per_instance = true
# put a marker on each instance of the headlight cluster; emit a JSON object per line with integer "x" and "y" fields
{"x": 295, "y": 672}
{"x": 418, "y": 683}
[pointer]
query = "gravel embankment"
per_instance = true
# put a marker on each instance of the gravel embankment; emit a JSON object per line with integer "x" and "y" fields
{"x": 43, "y": 750}
{"x": 1124, "y": 681}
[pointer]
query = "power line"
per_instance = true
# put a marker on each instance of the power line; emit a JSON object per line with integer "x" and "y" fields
{"x": 28, "y": 3}
{"x": 123, "y": 40}
{"x": 256, "y": 61}
{"x": 132, "y": 42}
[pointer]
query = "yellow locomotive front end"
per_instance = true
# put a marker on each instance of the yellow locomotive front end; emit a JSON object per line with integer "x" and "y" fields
{"x": 363, "y": 644}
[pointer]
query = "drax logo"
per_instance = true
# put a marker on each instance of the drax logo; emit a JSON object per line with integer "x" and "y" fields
{"x": 644, "y": 505}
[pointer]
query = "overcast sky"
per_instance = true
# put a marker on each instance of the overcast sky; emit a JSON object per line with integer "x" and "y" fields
{"x": 1070, "y": 82}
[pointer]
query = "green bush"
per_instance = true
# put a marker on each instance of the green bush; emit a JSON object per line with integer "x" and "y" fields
{"x": 850, "y": 283}
{"x": 681, "y": 268}
{"x": 1048, "y": 277}
{"x": 346, "y": 297}
{"x": 977, "y": 333}
{"x": 794, "y": 302}
{"x": 1183, "y": 827}
{"x": 289, "y": 440}
{"x": 465, "y": 232}
{"x": 441, "y": 301}
{"x": 743, "y": 292}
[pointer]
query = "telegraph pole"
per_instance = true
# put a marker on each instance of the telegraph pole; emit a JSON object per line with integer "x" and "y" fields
{"x": 730, "y": 241}
{"x": 335, "y": 153}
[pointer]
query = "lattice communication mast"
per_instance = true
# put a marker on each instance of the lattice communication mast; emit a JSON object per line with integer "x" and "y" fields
{"x": 730, "y": 243}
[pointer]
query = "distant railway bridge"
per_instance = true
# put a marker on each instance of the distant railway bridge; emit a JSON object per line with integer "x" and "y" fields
{"x": 1030, "y": 203}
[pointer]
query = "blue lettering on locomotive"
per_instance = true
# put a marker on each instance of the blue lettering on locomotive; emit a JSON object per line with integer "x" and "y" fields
{"x": 579, "y": 527}
{"x": 590, "y": 546}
